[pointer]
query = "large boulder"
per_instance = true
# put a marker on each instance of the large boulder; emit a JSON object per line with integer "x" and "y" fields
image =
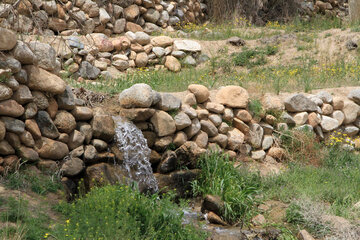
{"x": 45, "y": 54}
{"x": 351, "y": 111}
{"x": 24, "y": 54}
{"x": 7, "y": 39}
{"x": 42, "y": 80}
{"x": 138, "y": 96}
{"x": 233, "y": 96}
{"x": 163, "y": 123}
{"x": 300, "y": 103}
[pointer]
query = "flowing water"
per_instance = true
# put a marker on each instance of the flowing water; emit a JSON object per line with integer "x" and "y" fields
{"x": 133, "y": 145}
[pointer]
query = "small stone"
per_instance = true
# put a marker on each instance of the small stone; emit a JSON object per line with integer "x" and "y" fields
{"x": 7, "y": 39}
{"x": 6, "y": 148}
{"x": 339, "y": 116}
{"x": 103, "y": 127}
{"x": 235, "y": 139}
{"x": 82, "y": 113}
{"x": 179, "y": 139}
{"x": 11, "y": 108}
{"x": 325, "y": 97}
{"x": 327, "y": 109}
{"x": 193, "y": 129}
{"x": 208, "y": 127}
{"x": 243, "y": 115}
{"x": 214, "y": 107}
{"x": 201, "y": 139}
{"x": 76, "y": 139}
{"x": 13, "y": 125}
{"x": 258, "y": 155}
{"x": 215, "y": 119}
{"x": 277, "y": 153}
{"x": 182, "y": 121}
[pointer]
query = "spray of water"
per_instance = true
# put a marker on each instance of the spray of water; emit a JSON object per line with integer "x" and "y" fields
{"x": 133, "y": 145}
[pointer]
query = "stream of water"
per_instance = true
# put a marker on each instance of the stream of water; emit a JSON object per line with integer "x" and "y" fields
{"x": 133, "y": 145}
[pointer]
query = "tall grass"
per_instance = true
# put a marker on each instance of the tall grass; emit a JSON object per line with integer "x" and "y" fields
{"x": 236, "y": 188}
{"x": 119, "y": 212}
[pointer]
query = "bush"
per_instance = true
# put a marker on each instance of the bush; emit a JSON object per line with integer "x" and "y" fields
{"x": 237, "y": 188}
{"x": 119, "y": 212}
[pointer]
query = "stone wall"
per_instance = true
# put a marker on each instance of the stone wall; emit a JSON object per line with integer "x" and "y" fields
{"x": 43, "y": 123}
{"x": 179, "y": 130}
{"x": 87, "y": 16}
{"x": 329, "y": 8}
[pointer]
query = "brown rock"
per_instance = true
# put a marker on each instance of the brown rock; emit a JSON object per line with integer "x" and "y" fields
{"x": 313, "y": 119}
{"x": 65, "y": 122}
{"x": 233, "y": 96}
{"x": 179, "y": 139}
{"x": 76, "y": 139}
{"x": 47, "y": 166}
{"x": 201, "y": 139}
{"x": 23, "y": 95}
{"x": 243, "y": 115}
{"x": 28, "y": 154}
{"x": 141, "y": 60}
{"x": 277, "y": 153}
{"x": 6, "y": 148}
{"x": 235, "y": 139}
{"x": 137, "y": 114}
{"x": 11, "y": 108}
{"x": 163, "y": 123}
{"x": 214, "y": 204}
{"x": 172, "y": 64}
{"x": 72, "y": 167}
{"x": 82, "y": 113}
{"x": 27, "y": 139}
{"x": 131, "y": 13}
{"x": 52, "y": 108}
{"x": 33, "y": 128}
{"x": 57, "y": 24}
{"x": 162, "y": 41}
{"x": 13, "y": 139}
{"x": 215, "y": 219}
{"x": 7, "y": 39}
{"x": 103, "y": 127}
{"x": 2, "y": 130}
{"x": 201, "y": 92}
{"x": 133, "y": 27}
{"x": 42, "y": 80}
{"x": 52, "y": 149}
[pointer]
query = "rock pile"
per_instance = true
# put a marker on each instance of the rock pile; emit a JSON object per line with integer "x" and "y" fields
{"x": 42, "y": 122}
{"x": 89, "y": 16}
{"x": 179, "y": 131}
{"x": 97, "y": 55}
{"x": 329, "y": 8}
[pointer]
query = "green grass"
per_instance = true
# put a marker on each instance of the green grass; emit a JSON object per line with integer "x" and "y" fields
{"x": 37, "y": 183}
{"x": 119, "y": 212}
{"x": 335, "y": 183}
{"x": 30, "y": 225}
{"x": 236, "y": 188}
{"x": 253, "y": 57}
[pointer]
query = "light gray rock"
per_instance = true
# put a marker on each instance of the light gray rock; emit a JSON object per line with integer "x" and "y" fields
{"x": 151, "y": 15}
{"x": 354, "y": 95}
{"x": 256, "y": 135}
{"x": 187, "y": 46}
{"x": 182, "y": 121}
{"x": 300, "y": 103}
{"x": 168, "y": 102}
{"x": 137, "y": 96}
{"x": 24, "y": 54}
{"x": 325, "y": 97}
{"x": 329, "y": 124}
{"x": 208, "y": 127}
{"x": 88, "y": 71}
{"x": 258, "y": 155}
{"x": 7, "y": 39}
{"x": 13, "y": 125}
{"x": 142, "y": 38}
{"x": 45, "y": 54}
{"x": 190, "y": 61}
{"x": 267, "y": 142}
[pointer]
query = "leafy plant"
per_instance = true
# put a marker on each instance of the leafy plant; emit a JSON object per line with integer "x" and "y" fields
{"x": 119, "y": 212}
{"x": 236, "y": 188}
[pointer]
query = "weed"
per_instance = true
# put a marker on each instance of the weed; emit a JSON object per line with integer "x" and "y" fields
{"x": 256, "y": 108}
{"x": 119, "y": 212}
{"x": 237, "y": 189}
{"x": 25, "y": 179}
{"x": 253, "y": 57}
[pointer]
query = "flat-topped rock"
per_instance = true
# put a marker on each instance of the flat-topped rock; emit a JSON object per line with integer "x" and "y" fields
{"x": 299, "y": 103}
{"x": 187, "y": 46}
{"x": 233, "y": 96}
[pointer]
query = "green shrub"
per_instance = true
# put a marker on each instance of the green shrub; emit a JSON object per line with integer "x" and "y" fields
{"x": 119, "y": 212}
{"x": 253, "y": 57}
{"x": 237, "y": 188}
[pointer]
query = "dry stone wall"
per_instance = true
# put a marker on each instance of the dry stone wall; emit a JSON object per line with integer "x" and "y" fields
{"x": 87, "y": 16}
{"x": 179, "y": 130}
{"x": 43, "y": 123}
